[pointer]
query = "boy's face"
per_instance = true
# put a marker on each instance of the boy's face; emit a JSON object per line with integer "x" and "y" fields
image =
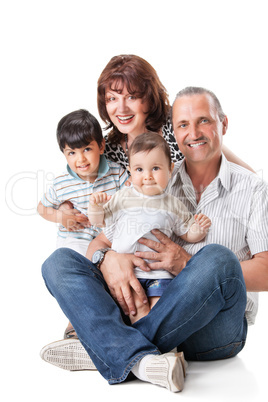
{"x": 85, "y": 161}
{"x": 150, "y": 171}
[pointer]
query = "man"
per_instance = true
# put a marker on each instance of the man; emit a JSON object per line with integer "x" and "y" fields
{"x": 205, "y": 311}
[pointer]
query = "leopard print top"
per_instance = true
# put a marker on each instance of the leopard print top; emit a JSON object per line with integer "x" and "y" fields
{"x": 115, "y": 152}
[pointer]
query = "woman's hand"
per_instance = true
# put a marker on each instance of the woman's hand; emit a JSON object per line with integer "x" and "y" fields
{"x": 169, "y": 255}
{"x": 118, "y": 272}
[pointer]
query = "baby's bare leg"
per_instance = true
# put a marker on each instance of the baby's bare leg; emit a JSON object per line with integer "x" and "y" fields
{"x": 142, "y": 309}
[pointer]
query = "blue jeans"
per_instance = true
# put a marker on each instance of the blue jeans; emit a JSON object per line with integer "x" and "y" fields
{"x": 201, "y": 311}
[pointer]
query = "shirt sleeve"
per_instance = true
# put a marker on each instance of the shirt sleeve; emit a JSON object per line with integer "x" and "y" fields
{"x": 184, "y": 219}
{"x": 257, "y": 228}
{"x": 109, "y": 217}
{"x": 50, "y": 198}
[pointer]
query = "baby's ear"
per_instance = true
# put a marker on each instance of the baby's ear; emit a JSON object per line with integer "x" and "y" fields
{"x": 128, "y": 169}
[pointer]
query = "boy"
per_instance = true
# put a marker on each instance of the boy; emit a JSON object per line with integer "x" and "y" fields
{"x": 80, "y": 139}
{"x": 133, "y": 212}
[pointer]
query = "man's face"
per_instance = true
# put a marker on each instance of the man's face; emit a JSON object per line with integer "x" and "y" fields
{"x": 197, "y": 127}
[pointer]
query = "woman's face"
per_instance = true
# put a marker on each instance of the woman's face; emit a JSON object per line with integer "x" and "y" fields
{"x": 127, "y": 112}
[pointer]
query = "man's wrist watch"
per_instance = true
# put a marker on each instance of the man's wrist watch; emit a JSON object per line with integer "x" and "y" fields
{"x": 99, "y": 255}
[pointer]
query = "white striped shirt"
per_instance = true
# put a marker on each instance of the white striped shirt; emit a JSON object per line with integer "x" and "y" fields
{"x": 70, "y": 187}
{"x": 236, "y": 201}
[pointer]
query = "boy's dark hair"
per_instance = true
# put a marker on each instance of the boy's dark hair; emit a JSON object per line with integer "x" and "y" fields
{"x": 146, "y": 142}
{"x": 78, "y": 129}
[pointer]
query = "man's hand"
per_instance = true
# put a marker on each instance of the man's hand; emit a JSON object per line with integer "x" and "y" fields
{"x": 169, "y": 255}
{"x": 118, "y": 272}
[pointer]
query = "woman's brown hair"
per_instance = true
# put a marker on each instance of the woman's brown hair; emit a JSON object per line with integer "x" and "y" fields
{"x": 141, "y": 80}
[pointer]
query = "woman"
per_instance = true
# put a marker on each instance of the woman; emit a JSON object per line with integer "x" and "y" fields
{"x": 131, "y": 100}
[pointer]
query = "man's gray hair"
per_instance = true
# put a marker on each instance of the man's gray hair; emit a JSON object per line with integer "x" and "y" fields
{"x": 189, "y": 91}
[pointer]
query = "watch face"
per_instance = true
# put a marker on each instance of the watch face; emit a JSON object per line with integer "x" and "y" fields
{"x": 97, "y": 256}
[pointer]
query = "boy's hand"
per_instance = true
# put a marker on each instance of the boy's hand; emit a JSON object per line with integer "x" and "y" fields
{"x": 203, "y": 221}
{"x": 73, "y": 220}
{"x": 98, "y": 199}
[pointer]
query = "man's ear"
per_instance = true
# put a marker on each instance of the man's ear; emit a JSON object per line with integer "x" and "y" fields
{"x": 224, "y": 125}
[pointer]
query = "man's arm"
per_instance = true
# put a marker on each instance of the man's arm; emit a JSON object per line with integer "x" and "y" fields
{"x": 255, "y": 272}
{"x": 118, "y": 272}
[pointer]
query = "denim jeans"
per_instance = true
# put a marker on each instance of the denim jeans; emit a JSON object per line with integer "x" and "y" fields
{"x": 201, "y": 311}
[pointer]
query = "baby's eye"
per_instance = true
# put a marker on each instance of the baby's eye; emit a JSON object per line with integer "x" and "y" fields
{"x": 155, "y": 168}
{"x": 139, "y": 169}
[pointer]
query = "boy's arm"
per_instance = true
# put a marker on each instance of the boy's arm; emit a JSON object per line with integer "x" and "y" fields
{"x": 96, "y": 210}
{"x": 198, "y": 230}
{"x": 70, "y": 218}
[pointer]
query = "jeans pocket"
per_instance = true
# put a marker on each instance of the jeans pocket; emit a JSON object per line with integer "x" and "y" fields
{"x": 224, "y": 352}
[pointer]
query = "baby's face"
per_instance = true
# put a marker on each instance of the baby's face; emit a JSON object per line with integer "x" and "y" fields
{"x": 150, "y": 171}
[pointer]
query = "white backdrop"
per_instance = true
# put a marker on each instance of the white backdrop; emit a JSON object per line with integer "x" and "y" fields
{"x": 52, "y": 53}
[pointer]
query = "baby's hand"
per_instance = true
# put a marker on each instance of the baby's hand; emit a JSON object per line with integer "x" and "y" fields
{"x": 99, "y": 198}
{"x": 203, "y": 221}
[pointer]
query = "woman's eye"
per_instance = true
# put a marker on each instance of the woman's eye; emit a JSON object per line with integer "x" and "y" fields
{"x": 110, "y": 99}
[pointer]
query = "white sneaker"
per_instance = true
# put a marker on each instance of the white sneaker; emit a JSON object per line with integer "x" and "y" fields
{"x": 167, "y": 370}
{"x": 68, "y": 354}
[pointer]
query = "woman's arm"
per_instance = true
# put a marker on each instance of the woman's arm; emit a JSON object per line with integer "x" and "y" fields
{"x": 231, "y": 157}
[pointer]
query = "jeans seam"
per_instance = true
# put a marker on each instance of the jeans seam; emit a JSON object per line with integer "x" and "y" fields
{"x": 235, "y": 345}
{"x": 211, "y": 294}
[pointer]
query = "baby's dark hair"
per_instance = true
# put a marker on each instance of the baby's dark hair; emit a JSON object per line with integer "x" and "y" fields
{"x": 78, "y": 129}
{"x": 146, "y": 142}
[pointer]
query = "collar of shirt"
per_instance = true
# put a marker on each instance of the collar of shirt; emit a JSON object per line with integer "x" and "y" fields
{"x": 181, "y": 178}
{"x": 103, "y": 169}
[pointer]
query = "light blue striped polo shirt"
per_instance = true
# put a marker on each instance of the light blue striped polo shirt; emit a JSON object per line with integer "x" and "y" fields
{"x": 70, "y": 187}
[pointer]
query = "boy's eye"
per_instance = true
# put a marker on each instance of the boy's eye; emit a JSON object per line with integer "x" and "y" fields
{"x": 71, "y": 153}
{"x": 87, "y": 149}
